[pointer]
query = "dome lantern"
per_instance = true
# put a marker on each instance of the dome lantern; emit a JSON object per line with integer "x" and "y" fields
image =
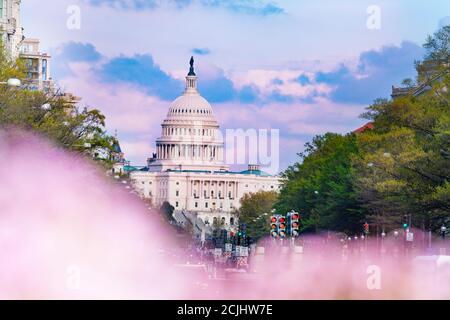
{"x": 191, "y": 79}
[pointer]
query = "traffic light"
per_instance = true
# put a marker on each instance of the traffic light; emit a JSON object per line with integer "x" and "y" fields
{"x": 295, "y": 224}
{"x": 366, "y": 228}
{"x": 282, "y": 227}
{"x": 405, "y": 222}
{"x": 273, "y": 227}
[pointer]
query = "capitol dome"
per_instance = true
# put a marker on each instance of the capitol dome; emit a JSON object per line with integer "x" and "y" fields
{"x": 190, "y": 105}
{"x": 190, "y": 136}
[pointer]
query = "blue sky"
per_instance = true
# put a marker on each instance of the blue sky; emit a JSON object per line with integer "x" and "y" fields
{"x": 302, "y": 67}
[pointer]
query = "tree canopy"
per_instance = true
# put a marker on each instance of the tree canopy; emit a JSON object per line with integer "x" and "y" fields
{"x": 255, "y": 212}
{"x": 400, "y": 167}
{"x": 51, "y": 115}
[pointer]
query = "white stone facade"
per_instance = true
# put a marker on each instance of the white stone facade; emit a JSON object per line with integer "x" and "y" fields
{"x": 188, "y": 169}
{"x": 11, "y": 29}
{"x": 210, "y": 194}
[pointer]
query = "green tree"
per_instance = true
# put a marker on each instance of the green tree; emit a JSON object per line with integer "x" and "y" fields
{"x": 50, "y": 115}
{"x": 438, "y": 45}
{"x": 409, "y": 149}
{"x": 320, "y": 186}
{"x": 167, "y": 210}
{"x": 255, "y": 212}
{"x": 410, "y": 152}
{"x": 9, "y": 68}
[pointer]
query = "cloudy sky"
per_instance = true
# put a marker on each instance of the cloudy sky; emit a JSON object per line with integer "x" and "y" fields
{"x": 303, "y": 67}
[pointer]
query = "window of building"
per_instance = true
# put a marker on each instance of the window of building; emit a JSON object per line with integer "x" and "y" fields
{"x": 178, "y": 183}
{"x": 44, "y": 68}
{"x": 206, "y": 204}
{"x": 177, "y": 193}
{"x": 176, "y": 204}
{"x": 196, "y": 204}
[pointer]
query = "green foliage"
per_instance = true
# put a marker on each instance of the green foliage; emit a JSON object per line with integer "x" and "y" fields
{"x": 438, "y": 45}
{"x": 255, "y": 212}
{"x": 410, "y": 152}
{"x": 400, "y": 167}
{"x": 320, "y": 186}
{"x": 52, "y": 116}
{"x": 8, "y": 68}
{"x": 167, "y": 210}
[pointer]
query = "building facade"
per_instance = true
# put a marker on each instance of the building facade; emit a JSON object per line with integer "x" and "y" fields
{"x": 12, "y": 34}
{"x": 37, "y": 65}
{"x": 11, "y": 30}
{"x": 188, "y": 169}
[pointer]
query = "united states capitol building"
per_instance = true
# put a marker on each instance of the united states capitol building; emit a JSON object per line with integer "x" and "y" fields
{"x": 188, "y": 169}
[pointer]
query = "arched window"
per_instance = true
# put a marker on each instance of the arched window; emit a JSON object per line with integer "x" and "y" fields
{"x": 232, "y": 221}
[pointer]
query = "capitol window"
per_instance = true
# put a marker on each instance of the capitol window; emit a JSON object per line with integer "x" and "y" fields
{"x": 177, "y": 193}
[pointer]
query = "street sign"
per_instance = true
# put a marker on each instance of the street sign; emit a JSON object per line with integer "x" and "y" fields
{"x": 228, "y": 247}
{"x": 244, "y": 252}
{"x": 409, "y": 236}
{"x": 218, "y": 251}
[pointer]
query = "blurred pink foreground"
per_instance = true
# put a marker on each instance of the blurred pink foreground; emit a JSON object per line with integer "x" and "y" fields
{"x": 67, "y": 232}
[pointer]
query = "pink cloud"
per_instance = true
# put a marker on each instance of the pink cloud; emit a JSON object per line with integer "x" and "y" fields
{"x": 136, "y": 116}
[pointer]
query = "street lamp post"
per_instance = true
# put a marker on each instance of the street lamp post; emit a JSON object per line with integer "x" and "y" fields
{"x": 12, "y": 82}
{"x": 443, "y": 230}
